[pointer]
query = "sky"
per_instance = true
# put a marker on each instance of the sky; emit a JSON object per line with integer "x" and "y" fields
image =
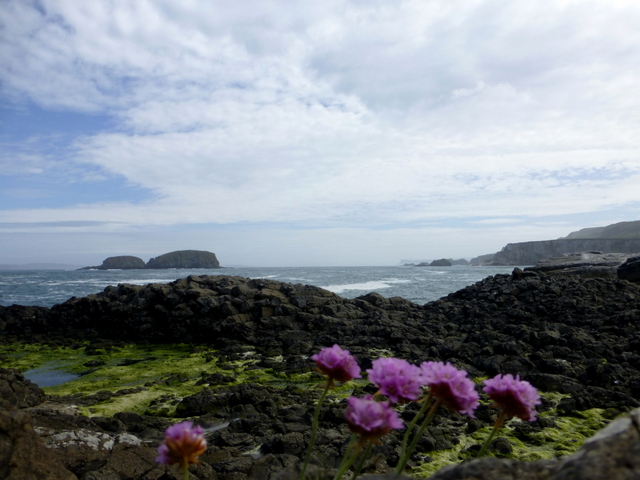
{"x": 287, "y": 133}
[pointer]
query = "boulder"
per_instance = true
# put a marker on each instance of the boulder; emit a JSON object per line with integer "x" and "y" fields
{"x": 630, "y": 270}
{"x": 185, "y": 259}
{"x": 23, "y": 455}
{"x": 18, "y": 391}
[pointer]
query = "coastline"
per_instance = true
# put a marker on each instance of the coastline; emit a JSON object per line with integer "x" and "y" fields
{"x": 574, "y": 339}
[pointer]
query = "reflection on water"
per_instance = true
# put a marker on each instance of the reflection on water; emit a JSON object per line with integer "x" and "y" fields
{"x": 46, "y": 376}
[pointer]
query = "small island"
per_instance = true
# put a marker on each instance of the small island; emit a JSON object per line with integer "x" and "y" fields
{"x": 177, "y": 259}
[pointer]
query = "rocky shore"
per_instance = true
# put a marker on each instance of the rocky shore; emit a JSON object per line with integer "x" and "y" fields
{"x": 575, "y": 339}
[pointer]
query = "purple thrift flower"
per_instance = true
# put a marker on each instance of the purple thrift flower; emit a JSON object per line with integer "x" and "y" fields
{"x": 337, "y": 364}
{"x": 451, "y": 386}
{"x": 183, "y": 444}
{"x": 517, "y": 398}
{"x": 370, "y": 419}
{"x": 397, "y": 379}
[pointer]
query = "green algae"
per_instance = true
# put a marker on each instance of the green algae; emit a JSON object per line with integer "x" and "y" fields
{"x": 147, "y": 379}
{"x": 564, "y": 437}
{"x": 155, "y": 378}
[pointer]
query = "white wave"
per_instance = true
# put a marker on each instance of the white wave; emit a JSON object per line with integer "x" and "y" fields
{"x": 368, "y": 286}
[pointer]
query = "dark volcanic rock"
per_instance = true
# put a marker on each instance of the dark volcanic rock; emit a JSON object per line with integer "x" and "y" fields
{"x": 18, "y": 391}
{"x": 567, "y": 334}
{"x": 185, "y": 259}
{"x": 23, "y": 455}
{"x": 630, "y": 270}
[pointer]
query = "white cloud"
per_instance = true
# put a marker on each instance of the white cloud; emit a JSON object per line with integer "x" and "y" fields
{"x": 333, "y": 114}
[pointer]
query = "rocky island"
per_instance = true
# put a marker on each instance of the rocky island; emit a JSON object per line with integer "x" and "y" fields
{"x": 232, "y": 354}
{"x": 177, "y": 259}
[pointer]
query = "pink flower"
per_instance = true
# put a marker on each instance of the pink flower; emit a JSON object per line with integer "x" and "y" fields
{"x": 396, "y": 378}
{"x": 370, "y": 419}
{"x": 517, "y": 398}
{"x": 451, "y": 386}
{"x": 183, "y": 444}
{"x": 337, "y": 364}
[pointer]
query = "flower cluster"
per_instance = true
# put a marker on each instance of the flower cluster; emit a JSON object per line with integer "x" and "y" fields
{"x": 370, "y": 418}
{"x": 400, "y": 382}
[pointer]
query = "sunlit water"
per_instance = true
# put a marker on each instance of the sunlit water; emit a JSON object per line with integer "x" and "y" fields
{"x": 418, "y": 284}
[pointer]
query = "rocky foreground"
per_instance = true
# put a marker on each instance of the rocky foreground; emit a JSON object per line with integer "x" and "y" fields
{"x": 576, "y": 337}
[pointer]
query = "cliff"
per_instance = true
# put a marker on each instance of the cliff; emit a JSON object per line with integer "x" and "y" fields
{"x": 185, "y": 259}
{"x": 530, "y": 253}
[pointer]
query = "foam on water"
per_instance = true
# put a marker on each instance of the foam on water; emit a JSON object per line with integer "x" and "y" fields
{"x": 420, "y": 285}
{"x": 366, "y": 286}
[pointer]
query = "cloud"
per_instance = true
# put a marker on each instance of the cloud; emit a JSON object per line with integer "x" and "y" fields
{"x": 328, "y": 115}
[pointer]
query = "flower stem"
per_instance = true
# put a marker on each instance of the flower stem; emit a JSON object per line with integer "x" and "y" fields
{"x": 425, "y": 405}
{"x": 364, "y": 456}
{"x": 347, "y": 460}
{"x": 407, "y": 454}
{"x": 314, "y": 429}
{"x": 186, "y": 472}
{"x": 496, "y": 427}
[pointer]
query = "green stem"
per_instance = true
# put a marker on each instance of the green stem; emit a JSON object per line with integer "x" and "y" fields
{"x": 356, "y": 472}
{"x": 496, "y": 427}
{"x": 348, "y": 460}
{"x": 186, "y": 472}
{"x": 407, "y": 454}
{"x": 412, "y": 425}
{"x": 314, "y": 429}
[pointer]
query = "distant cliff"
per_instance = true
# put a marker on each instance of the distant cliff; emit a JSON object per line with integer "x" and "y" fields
{"x": 185, "y": 259}
{"x": 529, "y": 253}
{"x": 178, "y": 259}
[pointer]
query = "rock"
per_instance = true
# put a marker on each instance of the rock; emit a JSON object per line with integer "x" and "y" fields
{"x": 482, "y": 259}
{"x": 443, "y": 262}
{"x": 584, "y": 264}
{"x": 460, "y": 261}
{"x": 18, "y": 391}
{"x": 124, "y": 262}
{"x": 185, "y": 259}
{"x": 575, "y": 336}
{"x": 630, "y": 270}
{"x": 23, "y": 455}
{"x": 611, "y": 454}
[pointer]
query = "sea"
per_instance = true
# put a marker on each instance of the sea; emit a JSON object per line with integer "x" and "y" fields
{"x": 417, "y": 284}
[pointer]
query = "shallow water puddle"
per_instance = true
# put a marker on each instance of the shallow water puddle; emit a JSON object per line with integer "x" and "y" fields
{"x": 49, "y": 375}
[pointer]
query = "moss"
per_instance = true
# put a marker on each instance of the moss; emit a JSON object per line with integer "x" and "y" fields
{"x": 159, "y": 376}
{"x": 564, "y": 438}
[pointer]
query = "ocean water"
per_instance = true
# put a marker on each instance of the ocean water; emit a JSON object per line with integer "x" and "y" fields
{"x": 418, "y": 284}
